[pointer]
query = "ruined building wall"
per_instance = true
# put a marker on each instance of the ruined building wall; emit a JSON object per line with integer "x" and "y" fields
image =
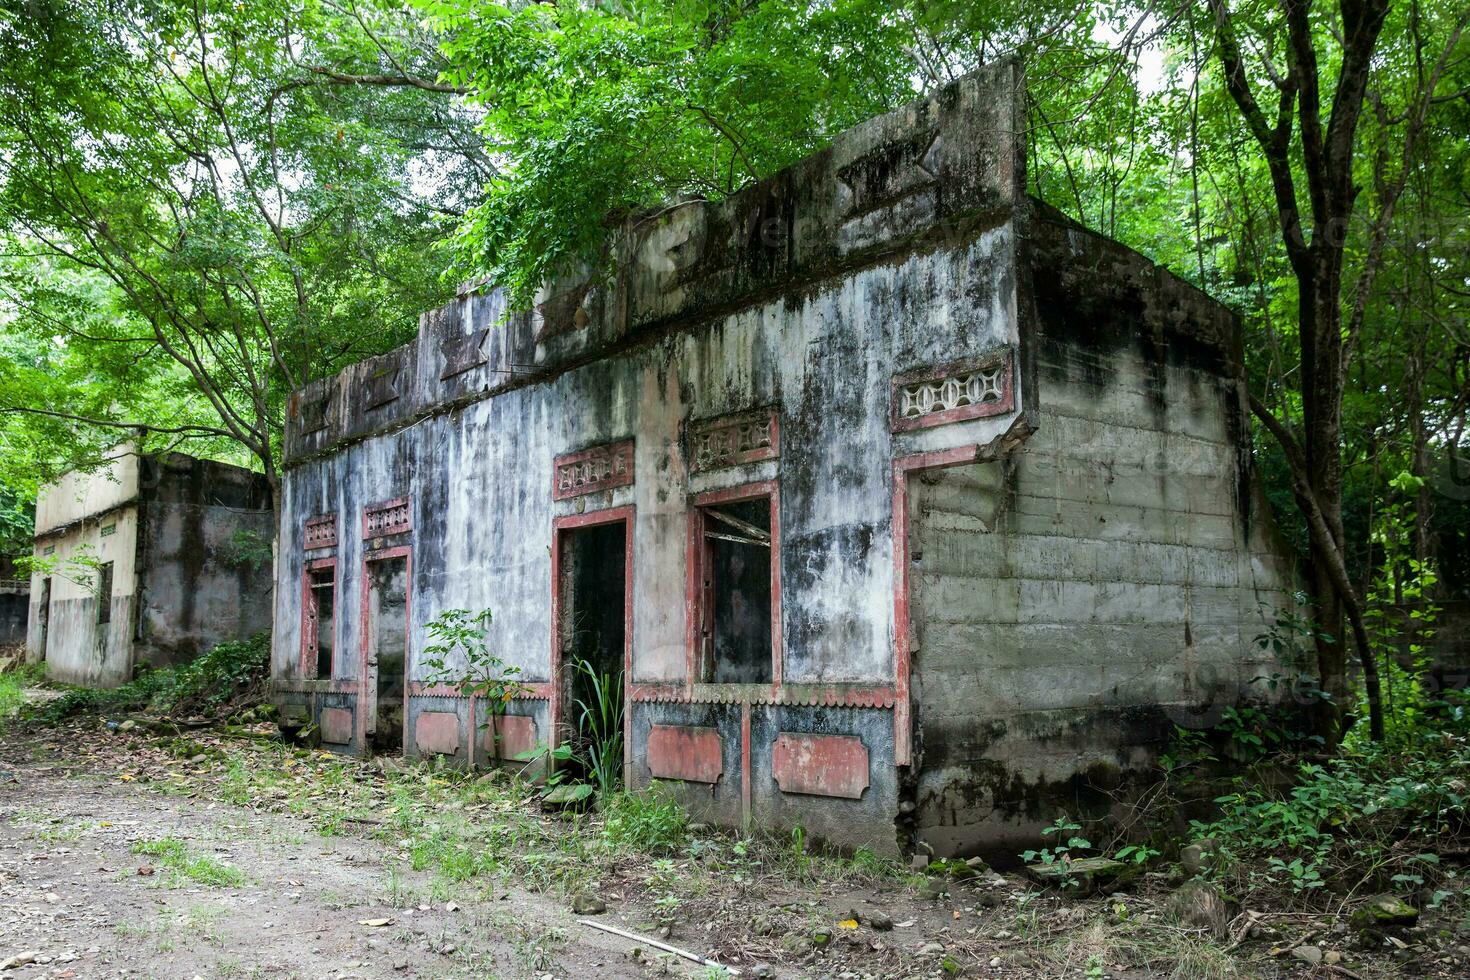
{"x": 82, "y": 521}
{"x": 204, "y": 558}
{"x": 1107, "y": 581}
{"x": 187, "y": 542}
{"x": 798, "y": 304}
{"x": 876, "y": 341}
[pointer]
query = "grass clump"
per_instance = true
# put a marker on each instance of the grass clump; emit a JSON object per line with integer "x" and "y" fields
{"x": 12, "y": 688}
{"x": 649, "y": 822}
{"x": 183, "y": 865}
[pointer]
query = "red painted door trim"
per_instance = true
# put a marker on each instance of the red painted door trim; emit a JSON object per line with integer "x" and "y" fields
{"x": 696, "y": 559}
{"x": 611, "y": 515}
{"x": 310, "y": 625}
{"x": 902, "y": 622}
{"x": 367, "y": 697}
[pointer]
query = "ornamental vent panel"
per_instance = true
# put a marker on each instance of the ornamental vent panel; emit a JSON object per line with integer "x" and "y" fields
{"x": 734, "y": 439}
{"x": 314, "y": 413}
{"x": 599, "y": 468}
{"x": 390, "y": 517}
{"x": 321, "y": 532}
{"x": 970, "y": 390}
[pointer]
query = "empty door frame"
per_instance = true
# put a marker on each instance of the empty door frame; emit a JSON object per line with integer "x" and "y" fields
{"x": 571, "y": 523}
{"x": 902, "y": 613}
{"x": 367, "y": 696}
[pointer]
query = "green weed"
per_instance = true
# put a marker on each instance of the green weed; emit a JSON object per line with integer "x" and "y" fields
{"x": 183, "y": 866}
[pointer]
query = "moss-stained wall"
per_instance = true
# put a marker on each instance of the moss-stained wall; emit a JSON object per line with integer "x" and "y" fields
{"x": 189, "y": 544}
{"x": 893, "y": 303}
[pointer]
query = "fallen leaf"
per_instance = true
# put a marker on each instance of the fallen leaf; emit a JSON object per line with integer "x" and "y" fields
{"x": 906, "y": 923}
{"x": 374, "y": 923}
{"x": 847, "y": 924}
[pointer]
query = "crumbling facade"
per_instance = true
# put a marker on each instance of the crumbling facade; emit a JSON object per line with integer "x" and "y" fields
{"x": 150, "y": 560}
{"x": 905, "y": 505}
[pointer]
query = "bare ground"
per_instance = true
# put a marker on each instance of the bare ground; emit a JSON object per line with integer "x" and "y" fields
{"x": 132, "y": 854}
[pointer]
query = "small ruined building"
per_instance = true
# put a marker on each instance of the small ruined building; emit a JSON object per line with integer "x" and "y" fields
{"x": 150, "y": 560}
{"x": 15, "y": 601}
{"x": 909, "y": 509}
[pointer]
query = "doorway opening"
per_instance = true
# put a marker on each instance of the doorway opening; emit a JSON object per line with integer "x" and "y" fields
{"x": 594, "y": 565}
{"x": 386, "y": 634}
{"x": 44, "y": 617}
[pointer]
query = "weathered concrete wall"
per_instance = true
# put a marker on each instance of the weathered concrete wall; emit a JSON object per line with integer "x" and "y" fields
{"x": 77, "y": 495}
{"x": 894, "y": 303}
{"x": 204, "y": 564}
{"x": 189, "y": 544}
{"x": 77, "y": 648}
{"x": 1079, "y": 599}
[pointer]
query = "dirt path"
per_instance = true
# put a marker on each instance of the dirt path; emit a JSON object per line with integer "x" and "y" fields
{"x": 74, "y": 892}
{"x": 125, "y": 853}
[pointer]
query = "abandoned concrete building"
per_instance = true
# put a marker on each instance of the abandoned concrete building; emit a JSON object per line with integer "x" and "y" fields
{"x": 150, "y": 560}
{"x": 906, "y": 507}
{"x": 15, "y": 602}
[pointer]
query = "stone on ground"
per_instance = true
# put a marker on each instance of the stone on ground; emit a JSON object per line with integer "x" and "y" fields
{"x": 1085, "y": 876}
{"x": 1200, "y": 905}
{"x": 1384, "y": 911}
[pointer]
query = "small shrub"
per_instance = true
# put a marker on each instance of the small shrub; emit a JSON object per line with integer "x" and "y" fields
{"x": 12, "y": 694}
{"x": 230, "y": 673}
{"x": 645, "y": 823}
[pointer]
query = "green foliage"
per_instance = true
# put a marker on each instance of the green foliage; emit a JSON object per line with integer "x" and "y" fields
{"x": 206, "y": 206}
{"x": 1360, "y": 821}
{"x": 17, "y": 522}
{"x": 1401, "y": 611}
{"x": 183, "y": 866}
{"x": 226, "y": 674}
{"x": 460, "y": 656}
{"x": 1063, "y": 851}
{"x": 649, "y": 822}
{"x": 12, "y": 689}
{"x": 607, "y": 110}
{"x": 600, "y": 727}
{"x": 78, "y": 567}
{"x": 247, "y": 549}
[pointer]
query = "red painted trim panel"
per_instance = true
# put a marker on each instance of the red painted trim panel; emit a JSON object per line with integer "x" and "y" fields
{"x": 596, "y": 468}
{"x": 902, "y": 614}
{"x": 696, "y": 555}
{"x": 310, "y": 627}
{"x": 571, "y": 522}
{"x": 731, "y": 440}
{"x": 1003, "y": 404}
{"x": 820, "y": 765}
{"x": 693, "y": 754}
{"x": 389, "y": 517}
{"x": 367, "y": 689}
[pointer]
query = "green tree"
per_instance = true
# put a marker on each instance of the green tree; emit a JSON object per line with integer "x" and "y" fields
{"x": 1309, "y": 150}
{"x": 209, "y": 205}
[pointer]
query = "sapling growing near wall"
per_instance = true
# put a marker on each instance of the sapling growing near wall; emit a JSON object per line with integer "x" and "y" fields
{"x": 602, "y": 726}
{"x": 79, "y": 568}
{"x": 460, "y": 657}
